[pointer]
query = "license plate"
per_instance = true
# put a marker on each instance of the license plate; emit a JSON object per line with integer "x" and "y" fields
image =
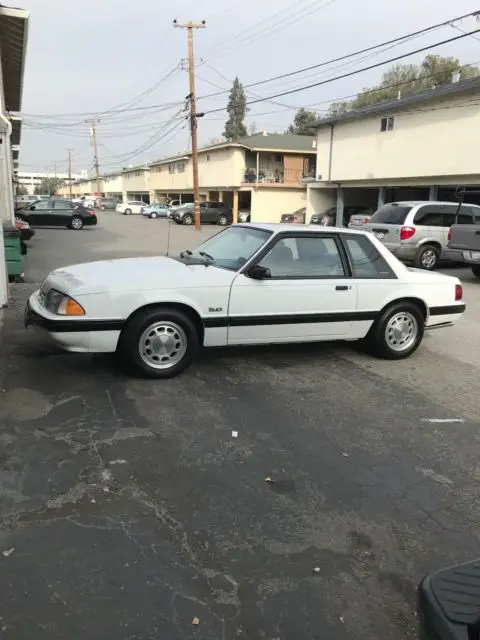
{"x": 472, "y": 255}
{"x": 380, "y": 235}
{"x": 356, "y": 222}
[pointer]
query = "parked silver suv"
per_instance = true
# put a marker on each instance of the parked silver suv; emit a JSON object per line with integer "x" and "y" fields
{"x": 417, "y": 231}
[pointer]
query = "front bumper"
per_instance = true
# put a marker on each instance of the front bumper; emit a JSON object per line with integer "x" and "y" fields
{"x": 79, "y": 335}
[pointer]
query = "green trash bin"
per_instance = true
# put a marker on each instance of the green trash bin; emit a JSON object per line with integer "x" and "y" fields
{"x": 13, "y": 252}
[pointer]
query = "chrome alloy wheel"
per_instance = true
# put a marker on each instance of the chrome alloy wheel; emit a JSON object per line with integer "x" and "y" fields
{"x": 401, "y": 331}
{"x": 163, "y": 344}
{"x": 77, "y": 223}
{"x": 429, "y": 259}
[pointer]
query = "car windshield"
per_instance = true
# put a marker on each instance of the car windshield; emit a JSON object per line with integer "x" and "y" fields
{"x": 233, "y": 247}
{"x": 391, "y": 214}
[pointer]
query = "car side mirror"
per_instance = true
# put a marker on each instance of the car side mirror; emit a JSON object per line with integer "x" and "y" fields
{"x": 259, "y": 273}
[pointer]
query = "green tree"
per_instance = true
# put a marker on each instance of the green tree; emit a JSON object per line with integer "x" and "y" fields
{"x": 21, "y": 190}
{"x": 407, "y": 79}
{"x": 48, "y": 186}
{"x": 303, "y": 123}
{"x": 236, "y": 107}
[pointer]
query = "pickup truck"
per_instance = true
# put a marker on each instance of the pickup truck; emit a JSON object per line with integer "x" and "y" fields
{"x": 464, "y": 245}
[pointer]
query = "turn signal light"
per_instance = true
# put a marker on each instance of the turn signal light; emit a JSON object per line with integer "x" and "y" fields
{"x": 406, "y": 233}
{"x": 458, "y": 292}
{"x": 70, "y": 307}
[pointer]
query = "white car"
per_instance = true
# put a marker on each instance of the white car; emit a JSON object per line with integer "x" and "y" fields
{"x": 132, "y": 206}
{"x": 248, "y": 284}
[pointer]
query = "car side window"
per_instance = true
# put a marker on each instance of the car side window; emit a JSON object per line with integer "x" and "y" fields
{"x": 62, "y": 204}
{"x": 429, "y": 216}
{"x": 304, "y": 257}
{"x": 366, "y": 260}
{"x": 42, "y": 205}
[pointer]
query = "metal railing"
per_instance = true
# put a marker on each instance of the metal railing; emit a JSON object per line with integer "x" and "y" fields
{"x": 276, "y": 176}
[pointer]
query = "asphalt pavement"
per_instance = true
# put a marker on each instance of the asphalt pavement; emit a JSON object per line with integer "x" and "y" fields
{"x": 130, "y": 510}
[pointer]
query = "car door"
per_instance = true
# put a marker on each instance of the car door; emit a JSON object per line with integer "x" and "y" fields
{"x": 429, "y": 222}
{"x": 62, "y": 213}
{"x": 39, "y": 213}
{"x": 373, "y": 278}
{"x": 309, "y": 296}
{"x": 450, "y": 216}
{"x": 203, "y": 213}
{"x": 212, "y": 212}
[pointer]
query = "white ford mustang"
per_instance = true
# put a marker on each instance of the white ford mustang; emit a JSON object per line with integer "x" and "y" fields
{"x": 249, "y": 284}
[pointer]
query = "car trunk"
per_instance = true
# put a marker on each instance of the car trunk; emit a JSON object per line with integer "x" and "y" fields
{"x": 359, "y": 219}
{"x": 386, "y": 223}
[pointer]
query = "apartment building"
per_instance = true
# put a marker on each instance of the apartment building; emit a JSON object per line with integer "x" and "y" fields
{"x": 13, "y": 45}
{"x": 417, "y": 147}
{"x": 263, "y": 173}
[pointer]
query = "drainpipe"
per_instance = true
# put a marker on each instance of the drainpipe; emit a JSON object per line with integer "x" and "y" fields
{"x": 258, "y": 165}
{"x": 330, "y": 154}
{"x": 8, "y": 168}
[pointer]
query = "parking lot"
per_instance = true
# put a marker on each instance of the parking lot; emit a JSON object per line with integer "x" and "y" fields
{"x": 129, "y": 509}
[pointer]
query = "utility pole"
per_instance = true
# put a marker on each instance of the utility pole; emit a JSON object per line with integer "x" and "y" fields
{"x": 190, "y": 26}
{"x": 95, "y": 153}
{"x": 69, "y": 173}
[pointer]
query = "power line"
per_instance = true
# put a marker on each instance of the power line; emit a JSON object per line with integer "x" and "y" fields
{"x": 353, "y": 54}
{"x": 355, "y": 72}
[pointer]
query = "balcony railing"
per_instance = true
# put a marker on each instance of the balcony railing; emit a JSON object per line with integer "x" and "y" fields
{"x": 275, "y": 177}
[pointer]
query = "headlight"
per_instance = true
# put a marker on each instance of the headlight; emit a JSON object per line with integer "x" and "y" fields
{"x": 63, "y": 305}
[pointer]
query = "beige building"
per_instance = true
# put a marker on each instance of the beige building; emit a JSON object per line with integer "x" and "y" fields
{"x": 263, "y": 173}
{"x": 417, "y": 147}
{"x": 136, "y": 183}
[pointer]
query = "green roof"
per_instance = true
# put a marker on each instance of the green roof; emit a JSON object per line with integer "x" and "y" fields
{"x": 280, "y": 141}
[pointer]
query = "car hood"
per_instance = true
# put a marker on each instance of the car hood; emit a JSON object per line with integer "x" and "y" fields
{"x": 136, "y": 274}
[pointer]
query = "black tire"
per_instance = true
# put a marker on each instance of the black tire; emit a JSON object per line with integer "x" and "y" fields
{"x": 23, "y": 248}
{"x": 187, "y": 219}
{"x": 222, "y": 220}
{"x": 127, "y": 212}
{"x": 476, "y": 270}
{"x": 378, "y": 344}
{"x": 129, "y": 343}
{"x": 427, "y": 257}
{"x": 76, "y": 223}
{"x": 153, "y": 215}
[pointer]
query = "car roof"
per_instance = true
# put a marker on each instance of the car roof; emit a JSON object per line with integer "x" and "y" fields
{"x": 414, "y": 203}
{"x": 298, "y": 228}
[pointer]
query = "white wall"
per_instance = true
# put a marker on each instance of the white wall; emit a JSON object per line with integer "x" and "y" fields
{"x": 319, "y": 200}
{"x": 269, "y": 203}
{"x": 430, "y": 139}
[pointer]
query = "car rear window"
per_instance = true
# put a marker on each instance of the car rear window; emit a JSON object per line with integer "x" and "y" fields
{"x": 390, "y": 214}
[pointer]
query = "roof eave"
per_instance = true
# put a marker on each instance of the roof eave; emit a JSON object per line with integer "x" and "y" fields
{"x": 22, "y": 15}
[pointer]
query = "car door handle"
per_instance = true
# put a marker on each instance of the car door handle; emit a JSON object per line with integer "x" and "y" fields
{"x": 341, "y": 287}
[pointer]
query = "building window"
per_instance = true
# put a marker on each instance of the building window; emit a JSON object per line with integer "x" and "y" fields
{"x": 387, "y": 124}
{"x": 171, "y": 168}
{"x": 277, "y": 158}
{"x": 208, "y": 157}
{"x": 180, "y": 167}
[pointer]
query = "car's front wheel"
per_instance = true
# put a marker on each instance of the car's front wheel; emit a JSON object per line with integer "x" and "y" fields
{"x": 187, "y": 219}
{"x": 397, "y": 333}
{"x": 158, "y": 343}
{"x": 427, "y": 257}
{"x": 222, "y": 220}
{"x": 76, "y": 223}
{"x": 153, "y": 215}
{"x": 127, "y": 212}
{"x": 476, "y": 270}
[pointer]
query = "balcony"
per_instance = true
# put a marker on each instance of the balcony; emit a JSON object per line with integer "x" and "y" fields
{"x": 284, "y": 177}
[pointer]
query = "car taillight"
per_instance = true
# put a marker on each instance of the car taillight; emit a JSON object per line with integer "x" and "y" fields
{"x": 90, "y": 212}
{"x": 406, "y": 233}
{"x": 449, "y": 237}
{"x": 458, "y": 292}
{"x": 365, "y": 220}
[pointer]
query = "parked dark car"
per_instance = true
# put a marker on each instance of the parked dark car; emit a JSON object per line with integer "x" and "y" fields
{"x": 57, "y": 213}
{"x": 210, "y": 212}
{"x": 25, "y": 230}
{"x": 328, "y": 217}
{"x": 106, "y": 203}
{"x": 297, "y": 217}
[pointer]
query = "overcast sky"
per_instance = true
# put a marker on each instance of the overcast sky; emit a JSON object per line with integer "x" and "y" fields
{"x": 93, "y": 56}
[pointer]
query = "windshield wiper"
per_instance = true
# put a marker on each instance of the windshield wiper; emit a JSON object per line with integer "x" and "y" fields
{"x": 186, "y": 253}
{"x": 204, "y": 254}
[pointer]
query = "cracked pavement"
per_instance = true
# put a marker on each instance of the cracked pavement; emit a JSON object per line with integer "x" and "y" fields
{"x": 128, "y": 509}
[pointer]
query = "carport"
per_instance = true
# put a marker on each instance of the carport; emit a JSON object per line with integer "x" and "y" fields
{"x": 13, "y": 40}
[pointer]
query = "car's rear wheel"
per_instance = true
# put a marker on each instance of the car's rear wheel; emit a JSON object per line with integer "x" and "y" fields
{"x": 427, "y": 257}
{"x": 127, "y": 212}
{"x": 397, "y": 333}
{"x": 76, "y": 223}
{"x": 158, "y": 343}
{"x": 476, "y": 270}
{"x": 222, "y": 220}
{"x": 153, "y": 215}
{"x": 187, "y": 219}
